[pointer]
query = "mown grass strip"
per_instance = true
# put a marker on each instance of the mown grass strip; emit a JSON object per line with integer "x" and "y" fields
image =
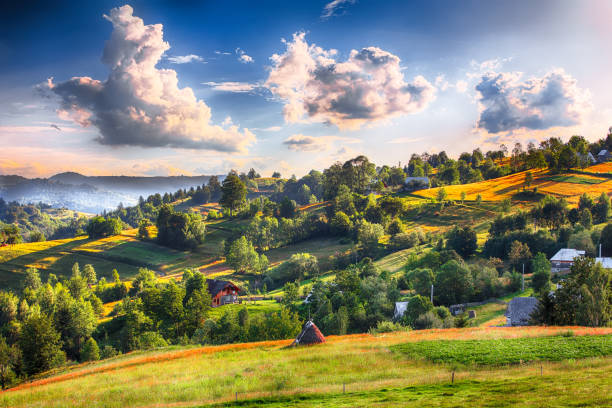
{"x": 575, "y": 179}
{"x": 544, "y": 391}
{"x": 508, "y": 351}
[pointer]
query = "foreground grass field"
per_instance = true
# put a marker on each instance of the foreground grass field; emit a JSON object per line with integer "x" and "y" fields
{"x": 269, "y": 374}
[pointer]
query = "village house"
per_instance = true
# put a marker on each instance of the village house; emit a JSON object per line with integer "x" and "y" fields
{"x": 519, "y": 311}
{"x": 222, "y": 292}
{"x": 604, "y": 156}
{"x": 563, "y": 260}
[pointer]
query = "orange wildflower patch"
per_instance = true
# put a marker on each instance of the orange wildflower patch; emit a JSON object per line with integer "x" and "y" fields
{"x": 156, "y": 358}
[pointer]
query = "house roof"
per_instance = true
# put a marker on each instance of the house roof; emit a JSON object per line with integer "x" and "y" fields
{"x": 400, "y": 309}
{"x": 602, "y": 152}
{"x": 605, "y": 262}
{"x": 566, "y": 255}
{"x": 520, "y": 309}
{"x": 215, "y": 286}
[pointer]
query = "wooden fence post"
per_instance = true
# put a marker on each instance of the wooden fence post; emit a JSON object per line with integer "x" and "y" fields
{"x": 453, "y": 378}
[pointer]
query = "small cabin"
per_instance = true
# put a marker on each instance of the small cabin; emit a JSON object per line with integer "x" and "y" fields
{"x": 222, "y": 292}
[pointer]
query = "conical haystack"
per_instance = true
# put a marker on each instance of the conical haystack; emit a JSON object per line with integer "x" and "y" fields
{"x": 310, "y": 335}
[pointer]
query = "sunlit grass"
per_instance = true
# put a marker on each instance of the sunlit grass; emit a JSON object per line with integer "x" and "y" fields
{"x": 505, "y": 187}
{"x": 211, "y": 374}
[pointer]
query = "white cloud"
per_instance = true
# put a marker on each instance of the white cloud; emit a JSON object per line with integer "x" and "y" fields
{"x": 139, "y": 104}
{"x": 367, "y": 88}
{"x": 489, "y": 65}
{"x": 238, "y": 87}
{"x": 441, "y": 82}
{"x": 270, "y": 129}
{"x": 461, "y": 86}
{"x": 335, "y": 8}
{"x": 509, "y": 103}
{"x": 302, "y": 143}
{"x": 185, "y": 59}
{"x": 243, "y": 57}
{"x": 223, "y": 53}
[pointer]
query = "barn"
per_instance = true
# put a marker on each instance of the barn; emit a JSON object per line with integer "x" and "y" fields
{"x": 222, "y": 292}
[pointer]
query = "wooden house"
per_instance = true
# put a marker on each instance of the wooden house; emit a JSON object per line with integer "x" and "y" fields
{"x": 563, "y": 260}
{"x": 222, "y": 292}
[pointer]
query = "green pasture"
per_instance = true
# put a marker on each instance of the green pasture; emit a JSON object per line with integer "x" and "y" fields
{"x": 508, "y": 351}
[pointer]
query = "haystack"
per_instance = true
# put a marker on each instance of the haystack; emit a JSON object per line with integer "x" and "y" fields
{"x": 310, "y": 335}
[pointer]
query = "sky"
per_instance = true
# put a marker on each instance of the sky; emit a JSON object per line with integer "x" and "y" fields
{"x": 202, "y": 87}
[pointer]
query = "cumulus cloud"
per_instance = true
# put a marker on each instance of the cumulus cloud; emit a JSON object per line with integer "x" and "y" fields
{"x": 302, "y": 143}
{"x": 509, "y": 103}
{"x": 368, "y": 87}
{"x": 243, "y": 57}
{"x": 185, "y": 59}
{"x": 335, "y": 8}
{"x": 239, "y": 87}
{"x": 461, "y": 86}
{"x": 139, "y": 104}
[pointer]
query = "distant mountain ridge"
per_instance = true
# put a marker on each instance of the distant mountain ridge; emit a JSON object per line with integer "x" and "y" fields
{"x": 91, "y": 194}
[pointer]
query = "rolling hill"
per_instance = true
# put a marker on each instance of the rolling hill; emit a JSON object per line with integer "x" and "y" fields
{"x": 567, "y": 185}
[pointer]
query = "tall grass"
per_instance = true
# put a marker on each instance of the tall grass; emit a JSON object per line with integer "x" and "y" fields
{"x": 203, "y": 375}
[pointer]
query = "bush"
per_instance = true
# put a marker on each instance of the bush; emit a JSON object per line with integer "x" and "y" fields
{"x": 428, "y": 320}
{"x": 387, "y": 326}
{"x": 90, "y": 351}
{"x": 150, "y": 340}
{"x": 396, "y": 227}
{"x": 404, "y": 240}
{"x": 108, "y": 352}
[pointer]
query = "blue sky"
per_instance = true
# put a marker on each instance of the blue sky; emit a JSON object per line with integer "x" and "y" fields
{"x": 200, "y": 87}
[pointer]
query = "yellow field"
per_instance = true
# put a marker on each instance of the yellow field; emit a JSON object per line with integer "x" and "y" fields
{"x": 505, "y": 187}
{"x": 601, "y": 168}
{"x": 361, "y": 363}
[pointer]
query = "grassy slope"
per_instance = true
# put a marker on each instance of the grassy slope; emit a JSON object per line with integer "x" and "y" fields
{"x": 314, "y": 376}
{"x": 505, "y": 187}
{"x": 254, "y": 308}
{"x": 123, "y": 252}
